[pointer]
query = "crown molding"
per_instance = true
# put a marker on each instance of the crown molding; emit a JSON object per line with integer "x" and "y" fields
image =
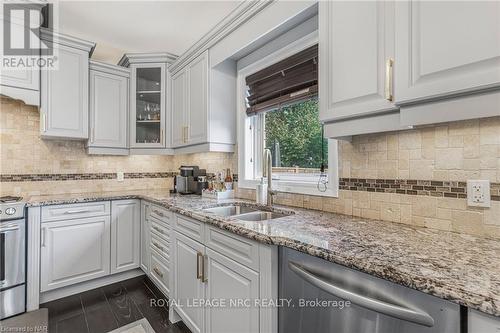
{"x": 140, "y": 58}
{"x": 109, "y": 68}
{"x": 67, "y": 40}
{"x": 231, "y": 22}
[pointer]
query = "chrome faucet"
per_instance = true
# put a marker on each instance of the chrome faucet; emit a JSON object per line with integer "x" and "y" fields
{"x": 268, "y": 172}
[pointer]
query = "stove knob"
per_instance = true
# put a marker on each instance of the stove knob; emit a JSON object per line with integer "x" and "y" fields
{"x": 10, "y": 211}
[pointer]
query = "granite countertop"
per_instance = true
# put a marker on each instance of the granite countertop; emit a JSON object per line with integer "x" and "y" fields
{"x": 460, "y": 268}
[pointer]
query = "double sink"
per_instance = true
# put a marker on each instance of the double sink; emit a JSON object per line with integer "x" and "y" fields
{"x": 245, "y": 213}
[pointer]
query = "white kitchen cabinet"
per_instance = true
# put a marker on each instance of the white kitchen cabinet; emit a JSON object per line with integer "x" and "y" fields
{"x": 197, "y": 105}
{"x": 125, "y": 235}
{"x": 190, "y": 107}
{"x": 203, "y": 106}
{"x": 150, "y": 114}
{"x": 145, "y": 237}
{"x": 221, "y": 266}
{"x": 109, "y": 98}
{"x": 356, "y": 53}
{"x": 188, "y": 286}
{"x": 23, "y": 82}
{"x": 446, "y": 48}
{"x": 226, "y": 279}
{"x": 64, "y": 110}
{"x": 74, "y": 251}
{"x": 179, "y": 109}
{"x": 160, "y": 272}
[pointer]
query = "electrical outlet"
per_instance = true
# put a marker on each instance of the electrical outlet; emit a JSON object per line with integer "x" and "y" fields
{"x": 478, "y": 193}
{"x": 120, "y": 176}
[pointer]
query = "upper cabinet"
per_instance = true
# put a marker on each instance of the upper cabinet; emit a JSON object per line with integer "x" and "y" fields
{"x": 109, "y": 100}
{"x": 64, "y": 111}
{"x": 446, "y": 48}
{"x": 203, "y": 106}
{"x": 149, "y": 101}
{"x": 196, "y": 122}
{"x": 387, "y": 66}
{"x": 179, "y": 108}
{"x": 356, "y": 57}
{"x": 190, "y": 108}
{"x": 22, "y": 82}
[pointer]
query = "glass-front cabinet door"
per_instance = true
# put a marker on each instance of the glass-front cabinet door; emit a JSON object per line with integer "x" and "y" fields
{"x": 148, "y": 103}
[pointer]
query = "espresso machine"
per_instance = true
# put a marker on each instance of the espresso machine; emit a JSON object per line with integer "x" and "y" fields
{"x": 191, "y": 180}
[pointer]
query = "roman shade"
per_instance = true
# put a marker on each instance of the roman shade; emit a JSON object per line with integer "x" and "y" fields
{"x": 290, "y": 80}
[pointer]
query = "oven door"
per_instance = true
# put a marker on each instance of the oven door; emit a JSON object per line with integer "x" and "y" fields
{"x": 12, "y": 253}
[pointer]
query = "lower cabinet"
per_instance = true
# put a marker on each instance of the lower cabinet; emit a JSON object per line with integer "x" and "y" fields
{"x": 74, "y": 251}
{"x": 224, "y": 269}
{"x": 226, "y": 279}
{"x": 160, "y": 272}
{"x": 82, "y": 242}
{"x": 125, "y": 235}
{"x": 189, "y": 285}
{"x": 145, "y": 237}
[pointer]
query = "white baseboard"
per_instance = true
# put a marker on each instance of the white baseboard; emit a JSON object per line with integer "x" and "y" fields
{"x": 88, "y": 285}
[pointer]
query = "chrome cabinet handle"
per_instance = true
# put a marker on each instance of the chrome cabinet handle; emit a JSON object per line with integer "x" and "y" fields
{"x": 43, "y": 121}
{"x": 388, "y": 79}
{"x": 204, "y": 277}
{"x": 43, "y": 237}
{"x": 158, "y": 213}
{"x": 8, "y": 229}
{"x": 199, "y": 261}
{"x": 393, "y": 310}
{"x": 77, "y": 211}
{"x": 159, "y": 230}
{"x": 158, "y": 272}
{"x": 158, "y": 246}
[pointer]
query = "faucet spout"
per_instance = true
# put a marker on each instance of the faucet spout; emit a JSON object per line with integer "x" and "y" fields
{"x": 268, "y": 171}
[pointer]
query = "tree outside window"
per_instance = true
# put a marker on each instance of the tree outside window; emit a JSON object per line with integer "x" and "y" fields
{"x": 293, "y": 133}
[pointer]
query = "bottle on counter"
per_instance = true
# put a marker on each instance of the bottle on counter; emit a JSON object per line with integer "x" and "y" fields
{"x": 228, "y": 181}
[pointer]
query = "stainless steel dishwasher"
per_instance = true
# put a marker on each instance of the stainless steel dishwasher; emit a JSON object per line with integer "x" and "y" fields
{"x": 319, "y": 291}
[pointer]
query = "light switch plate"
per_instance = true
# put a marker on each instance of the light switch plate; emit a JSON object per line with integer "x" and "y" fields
{"x": 120, "y": 176}
{"x": 478, "y": 193}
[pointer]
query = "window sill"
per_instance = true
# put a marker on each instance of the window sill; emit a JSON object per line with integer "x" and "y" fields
{"x": 293, "y": 187}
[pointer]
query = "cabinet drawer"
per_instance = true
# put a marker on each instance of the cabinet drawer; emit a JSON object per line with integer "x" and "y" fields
{"x": 160, "y": 273}
{"x": 161, "y": 229}
{"x": 189, "y": 227}
{"x": 240, "y": 249}
{"x": 160, "y": 246}
{"x": 160, "y": 213}
{"x": 74, "y": 211}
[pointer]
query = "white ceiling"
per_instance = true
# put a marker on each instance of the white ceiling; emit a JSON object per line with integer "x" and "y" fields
{"x": 140, "y": 26}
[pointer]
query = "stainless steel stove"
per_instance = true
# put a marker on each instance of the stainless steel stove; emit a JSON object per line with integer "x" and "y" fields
{"x": 12, "y": 256}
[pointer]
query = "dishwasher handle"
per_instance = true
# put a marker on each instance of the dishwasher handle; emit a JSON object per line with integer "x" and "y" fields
{"x": 393, "y": 310}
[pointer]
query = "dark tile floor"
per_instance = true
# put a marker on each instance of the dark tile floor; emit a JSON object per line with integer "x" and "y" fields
{"x": 107, "y": 308}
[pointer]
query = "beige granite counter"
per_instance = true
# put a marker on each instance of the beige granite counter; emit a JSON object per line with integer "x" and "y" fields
{"x": 456, "y": 267}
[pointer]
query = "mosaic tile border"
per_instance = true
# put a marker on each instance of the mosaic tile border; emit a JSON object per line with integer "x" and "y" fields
{"x": 447, "y": 189}
{"x": 80, "y": 176}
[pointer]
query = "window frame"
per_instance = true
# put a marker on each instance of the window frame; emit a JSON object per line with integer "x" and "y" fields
{"x": 251, "y": 136}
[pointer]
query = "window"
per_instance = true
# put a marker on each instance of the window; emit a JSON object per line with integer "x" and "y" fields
{"x": 280, "y": 111}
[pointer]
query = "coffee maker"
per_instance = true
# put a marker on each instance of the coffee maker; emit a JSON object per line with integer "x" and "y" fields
{"x": 191, "y": 180}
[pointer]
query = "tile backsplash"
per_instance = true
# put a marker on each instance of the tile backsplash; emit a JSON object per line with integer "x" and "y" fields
{"x": 416, "y": 177}
{"x": 63, "y": 166}
{"x": 391, "y": 176}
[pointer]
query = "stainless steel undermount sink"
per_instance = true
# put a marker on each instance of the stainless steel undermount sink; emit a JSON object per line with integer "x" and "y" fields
{"x": 227, "y": 211}
{"x": 244, "y": 213}
{"x": 260, "y": 216}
